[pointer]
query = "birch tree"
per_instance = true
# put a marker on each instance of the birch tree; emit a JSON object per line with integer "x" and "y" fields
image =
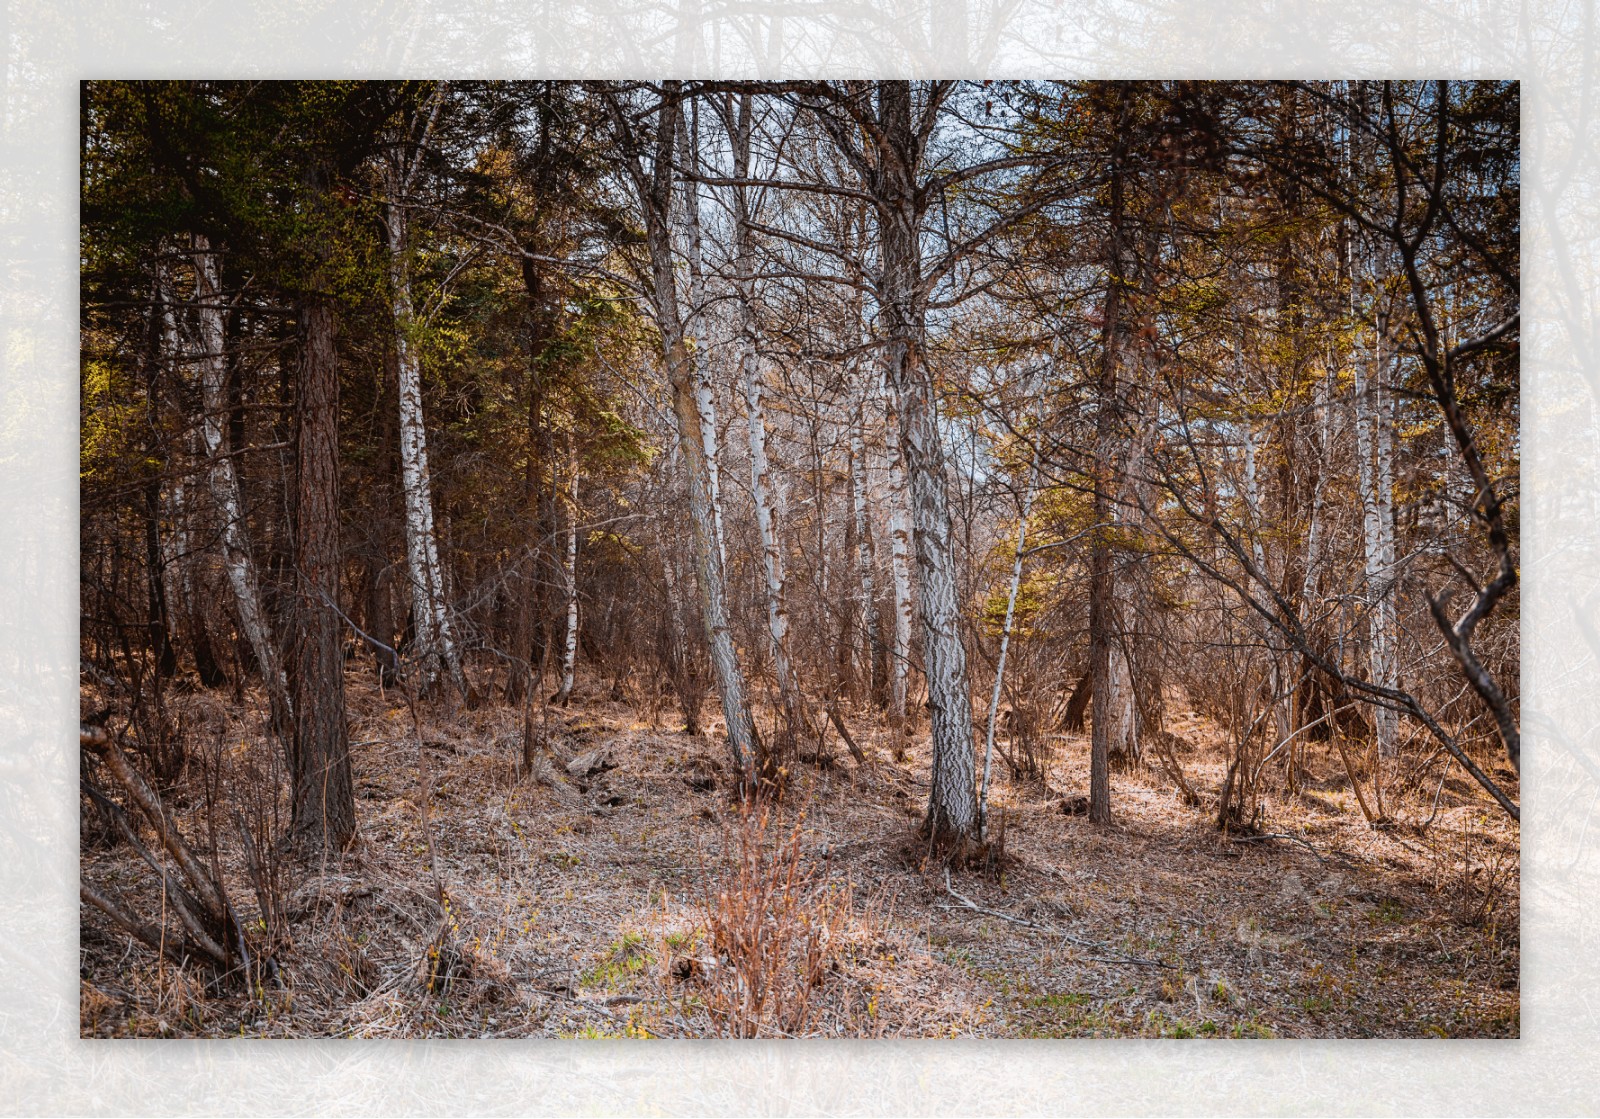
{"x": 569, "y": 570}
{"x": 883, "y": 131}
{"x": 237, "y": 557}
{"x": 430, "y": 613}
{"x": 740, "y": 122}
{"x": 654, "y": 184}
{"x": 698, "y": 322}
{"x": 887, "y": 153}
{"x": 899, "y": 517}
{"x": 1374, "y": 456}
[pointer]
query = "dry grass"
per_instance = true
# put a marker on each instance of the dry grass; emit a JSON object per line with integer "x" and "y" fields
{"x": 639, "y": 902}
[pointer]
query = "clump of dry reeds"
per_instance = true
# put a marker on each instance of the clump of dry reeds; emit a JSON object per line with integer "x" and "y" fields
{"x": 776, "y": 925}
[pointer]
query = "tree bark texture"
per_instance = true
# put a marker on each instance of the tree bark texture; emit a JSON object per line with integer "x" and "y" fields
{"x": 767, "y": 520}
{"x": 323, "y": 798}
{"x": 238, "y": 560}
{"x": 435, "y": 638}
{"x": 952, "y": 800}
{"x": 656, "y": 188}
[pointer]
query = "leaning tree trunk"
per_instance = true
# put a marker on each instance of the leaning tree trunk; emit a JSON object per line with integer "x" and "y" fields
{"x": 430, "y": 617}
{"x": 705, "y": 396}
{"x": 656, "y": 195}
{"x": 1020, "y": 554}
{"x": 237, "y": 557}
{"x": 323, "y": 800}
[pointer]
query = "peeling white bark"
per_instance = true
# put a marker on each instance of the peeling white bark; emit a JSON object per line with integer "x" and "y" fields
{"x": 953, "y": 792}
{"x": 430, "y": 616}
{"x": 655, "y": 187}
{"x": 1376, "y": 476}
{"x": 767, "y": 519}
{"x": 1021, "y": 552}
{"x": 869, "y": 651}
{"x": 569, "y": 654}
{"x": 699, "y": 331}
{"x": 238, "y": 560}
{"x": 900, "y": 546}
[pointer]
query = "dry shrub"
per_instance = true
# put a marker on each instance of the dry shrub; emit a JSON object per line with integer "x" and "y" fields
{"x": 171, "y": 1003}
{"x": 96, "y": 1007}
{"x": 776, "y": 927}
{"x": 1476, "y": 887}
{"x": 1024, "y": 747}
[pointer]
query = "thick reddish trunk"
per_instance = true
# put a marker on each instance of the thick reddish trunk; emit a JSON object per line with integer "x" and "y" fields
{"x": 323, "y": 798}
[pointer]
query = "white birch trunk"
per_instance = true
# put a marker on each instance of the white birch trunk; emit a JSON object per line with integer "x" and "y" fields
{"x": 1316, "y": 528}
{"x": 1387, "y": 720}
{"x": 900, "y": 545}
{"x": 175, "y": 574}
{"x": 1005, "y": 640}
{"x": 1278, "y": 698}
{"x": 238, "y": 560}
{"x": 953, "y": 788}
{"x": 952, "y": 798}
{"x": 870, "y": 649}
{"x": 430, "y": 617}
{"x": 656, "y": 191}
{"x": 1123, "y": 718}
{"x": 699, "y": 330}
{"x": 569, "y": 655}
{"x": 1375, "y": 474}
{"x": 767, "y": 519}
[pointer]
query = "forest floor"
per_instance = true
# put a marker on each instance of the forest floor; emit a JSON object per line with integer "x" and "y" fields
{"x": 636, "y": 901}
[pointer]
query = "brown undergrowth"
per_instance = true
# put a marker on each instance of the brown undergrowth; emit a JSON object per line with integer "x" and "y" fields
{"x": 629, "y": 895}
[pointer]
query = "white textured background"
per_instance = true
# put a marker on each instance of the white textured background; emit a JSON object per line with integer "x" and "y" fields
{"x": 1550, "y": 44}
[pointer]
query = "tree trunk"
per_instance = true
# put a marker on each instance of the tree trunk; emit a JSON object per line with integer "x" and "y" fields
{"x": 767, "y": 523}
{"x": 1373, "y": 449}
{"x": 871, "y": 645}
{"x": 569, "y": 654}
{"x": 1104, "y": 626}
{"x": 322, "y": 795}
{"x": 183, "y": 589}
{"x": 1310, "y": 703}
{"x": 224, "y": 483}
{"x": 435, "y": 638}
{"x": 160, "y": 622}
{"x": 679, "y": 663}
{"x": 1278, "y": 697}
{"x": 1005, "y": 636}
{"x": 900, "y": 546}
{"x": 705, "y": 396}
{"x": 528, "y": 635}
{"x": 952, "y": 801}
{"x": 656, "y": 190}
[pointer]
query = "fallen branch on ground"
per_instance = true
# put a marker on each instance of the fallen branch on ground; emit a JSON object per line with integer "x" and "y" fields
{"x": 1279, "y": 835}
{"x": 196, "y": 897}
{"x": 1114, "y": 956}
